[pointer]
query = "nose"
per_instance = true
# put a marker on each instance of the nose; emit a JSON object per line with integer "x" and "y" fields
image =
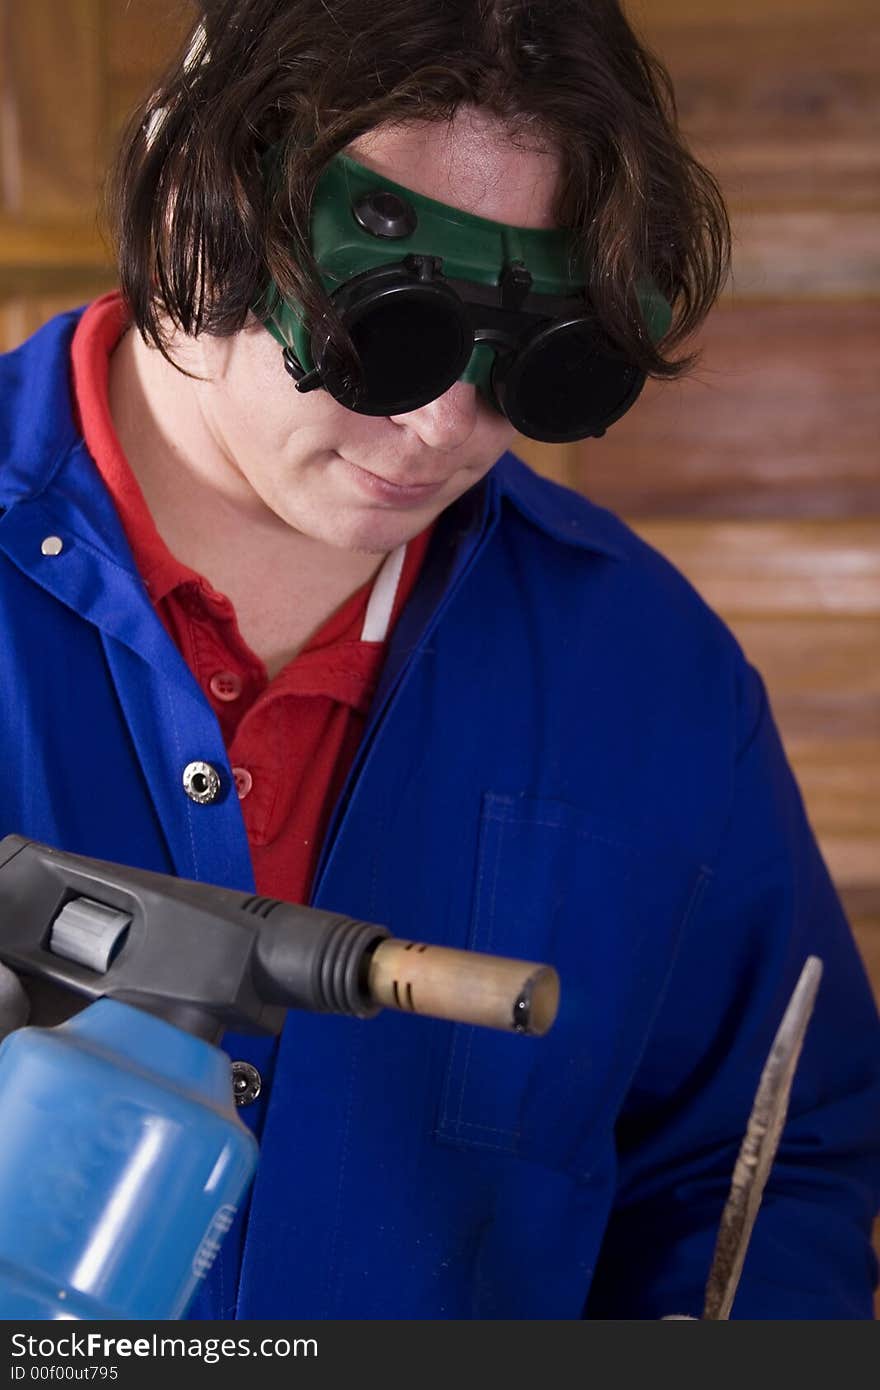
{"x": 447, "y": 422}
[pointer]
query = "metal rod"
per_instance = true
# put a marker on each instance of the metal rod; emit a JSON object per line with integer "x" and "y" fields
{"x": 759, "y": 1146}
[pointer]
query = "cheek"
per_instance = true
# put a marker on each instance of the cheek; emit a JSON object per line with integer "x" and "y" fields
{"x": 494, "y": 431}
{"x": 262, "y": 397}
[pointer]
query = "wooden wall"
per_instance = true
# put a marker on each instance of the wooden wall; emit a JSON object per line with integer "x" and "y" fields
{"x": 70, "y": 71}
{"x": 759, "y": 476}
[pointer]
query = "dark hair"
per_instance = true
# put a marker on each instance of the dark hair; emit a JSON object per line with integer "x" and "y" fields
{"x": 198, "y": 231}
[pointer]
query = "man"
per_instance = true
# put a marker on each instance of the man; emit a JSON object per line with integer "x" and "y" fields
{"x": 294, "y": 641}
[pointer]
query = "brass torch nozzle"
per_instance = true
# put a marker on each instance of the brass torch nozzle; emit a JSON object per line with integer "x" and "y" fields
{"x": 515, "y": 995}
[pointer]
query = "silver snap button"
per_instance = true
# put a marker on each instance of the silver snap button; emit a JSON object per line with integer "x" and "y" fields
{"x": 201, "y": 782}
{"x": 52, "y": 545}
{"x": 246, "y": 1083}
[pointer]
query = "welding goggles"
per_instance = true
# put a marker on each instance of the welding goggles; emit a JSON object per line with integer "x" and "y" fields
{"x": 431, "y": 295}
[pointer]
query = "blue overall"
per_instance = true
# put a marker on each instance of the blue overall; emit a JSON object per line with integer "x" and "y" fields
{"x": 568, "y": 759}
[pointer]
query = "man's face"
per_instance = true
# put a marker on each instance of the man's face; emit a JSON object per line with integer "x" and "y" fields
{"x": 369, "y": 483}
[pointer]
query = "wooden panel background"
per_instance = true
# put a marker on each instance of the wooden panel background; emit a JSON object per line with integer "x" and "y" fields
{"x": 759, "y": 475}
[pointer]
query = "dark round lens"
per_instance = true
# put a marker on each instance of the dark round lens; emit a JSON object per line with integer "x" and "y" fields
{"x": 567, "y": 383}
{"x": 413, "y": 343}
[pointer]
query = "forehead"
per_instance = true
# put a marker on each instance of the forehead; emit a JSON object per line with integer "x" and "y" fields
{"x": 474, "y": 162}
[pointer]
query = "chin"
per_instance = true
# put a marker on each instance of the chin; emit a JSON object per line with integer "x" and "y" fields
{"x": 373, "y": 532}
{"x": 381, "y": 534}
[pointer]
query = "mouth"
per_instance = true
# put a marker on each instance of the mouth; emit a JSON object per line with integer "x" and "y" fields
{"x": 382, "y": 489}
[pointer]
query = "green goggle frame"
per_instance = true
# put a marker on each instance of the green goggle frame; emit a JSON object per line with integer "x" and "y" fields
{"x": 432, "y": 295}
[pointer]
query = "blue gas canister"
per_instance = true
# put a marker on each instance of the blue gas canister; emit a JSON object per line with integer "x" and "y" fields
{"x": 121, "y": 1166}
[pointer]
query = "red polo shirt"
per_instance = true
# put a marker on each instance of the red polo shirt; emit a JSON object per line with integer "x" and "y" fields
{"x": 291, "y": 740}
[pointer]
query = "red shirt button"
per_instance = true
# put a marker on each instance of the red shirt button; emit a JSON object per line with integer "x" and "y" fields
{"x": 225, "y": 685}
{"x": 243, "y": 781}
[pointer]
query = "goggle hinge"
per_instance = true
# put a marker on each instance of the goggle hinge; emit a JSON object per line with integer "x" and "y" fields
{"x": 515, "y": 283}
{"x": 305, "y": 381}
{"x": 424, "y": 267}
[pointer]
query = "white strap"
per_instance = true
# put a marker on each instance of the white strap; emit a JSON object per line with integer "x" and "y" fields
{"x": 381, "y": 604}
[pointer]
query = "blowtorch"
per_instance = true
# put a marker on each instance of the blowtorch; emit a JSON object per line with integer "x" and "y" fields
{"x": 123, "y": 1161}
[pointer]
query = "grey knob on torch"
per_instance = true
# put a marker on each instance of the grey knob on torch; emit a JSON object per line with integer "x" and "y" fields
{"x": 491, "y": 991}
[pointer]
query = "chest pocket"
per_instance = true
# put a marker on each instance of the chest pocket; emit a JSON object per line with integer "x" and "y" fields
{"x": 553, "y": 885}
